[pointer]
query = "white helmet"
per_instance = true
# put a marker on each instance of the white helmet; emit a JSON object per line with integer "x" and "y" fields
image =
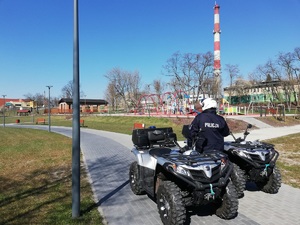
{"x": 208, "y": 103}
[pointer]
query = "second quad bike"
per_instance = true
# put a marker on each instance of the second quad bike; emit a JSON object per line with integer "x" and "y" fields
{"x": 177, "y": 178}
{"x": 253, "y": 161}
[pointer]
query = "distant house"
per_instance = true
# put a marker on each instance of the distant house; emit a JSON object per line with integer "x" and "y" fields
{"x": 86, "y": 105}
{"x": 17, "y": 103}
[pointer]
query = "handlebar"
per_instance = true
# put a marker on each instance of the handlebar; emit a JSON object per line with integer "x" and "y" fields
{"x": 246, "y": 133}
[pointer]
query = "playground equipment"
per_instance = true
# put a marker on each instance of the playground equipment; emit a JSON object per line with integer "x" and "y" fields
{"x": 234, "y": 110}
{"x": 168, "y": 103}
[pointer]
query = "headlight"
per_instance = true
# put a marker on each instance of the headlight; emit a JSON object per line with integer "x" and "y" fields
{"x": 224, "y": 162}
{"x": 181, "y": 170}
{"x": 243, "y": 154}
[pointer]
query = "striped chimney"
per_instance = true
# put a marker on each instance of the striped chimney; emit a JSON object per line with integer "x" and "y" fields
{"x": 217, "y": 32}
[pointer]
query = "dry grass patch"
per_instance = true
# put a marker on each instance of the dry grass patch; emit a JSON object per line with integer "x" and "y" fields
{"x": 279, "y": 122}
{"x": 35, "y": 180}
{"x": 289, "y": 158}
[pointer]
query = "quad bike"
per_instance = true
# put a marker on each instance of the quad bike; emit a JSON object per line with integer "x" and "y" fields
{"x": 176, "y": 177}
{"x": 253, "y": 161}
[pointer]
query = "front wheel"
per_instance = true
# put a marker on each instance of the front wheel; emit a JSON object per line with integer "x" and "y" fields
{"x": 238, "y": 178}
{"x": 273, "y": 183}
{"x": 134, "y": 178}
{"x": 170, "y": 204}
{"x": 229, "y": 203}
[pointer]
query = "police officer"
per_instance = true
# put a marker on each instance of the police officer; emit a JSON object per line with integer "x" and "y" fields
{"x": 208, "y": 128}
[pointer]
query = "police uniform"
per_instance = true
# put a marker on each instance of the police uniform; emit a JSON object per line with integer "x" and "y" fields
{"x": 213, "y": 128}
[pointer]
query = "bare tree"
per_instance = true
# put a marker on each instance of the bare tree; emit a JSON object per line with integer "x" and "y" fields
{"x": 158, "y": 87}
{"x": 279, "y": 79}
{"x": 173, "y": 69}
{"x": 67, "y": 90}
{"x": 38, "y": 98}
{"x": 270, "y": 73}
{"x": 203, "y": 77}
{"x": 127, "y": 85}
{"x": 285, "y": 61}
{"x": 296, "y": 70}
{"x": 233, "y": 71}
{"x": 112, "y": 96}
{"x": 191, "y": 72}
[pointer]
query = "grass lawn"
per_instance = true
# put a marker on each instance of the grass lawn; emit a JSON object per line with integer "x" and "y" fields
{"x": 120, "y": 124}
{"x": 35, "y": 180}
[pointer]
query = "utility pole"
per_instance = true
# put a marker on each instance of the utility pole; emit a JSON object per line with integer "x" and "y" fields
{"x": 49, "y": 109}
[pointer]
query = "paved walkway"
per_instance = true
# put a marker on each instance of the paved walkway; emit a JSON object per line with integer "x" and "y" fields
{"x": 108, "y": 157}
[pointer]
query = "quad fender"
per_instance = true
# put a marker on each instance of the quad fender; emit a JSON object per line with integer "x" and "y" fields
{"x": 144, "y": 159}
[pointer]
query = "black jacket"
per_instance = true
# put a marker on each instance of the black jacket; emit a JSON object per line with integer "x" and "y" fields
{"x": 213, "y": 128}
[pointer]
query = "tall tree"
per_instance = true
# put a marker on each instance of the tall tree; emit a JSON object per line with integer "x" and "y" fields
{"x": 191, "y": 73}
{"x": 158, "y": 86}
{"x": 67, "y": 90}
{"x": 203, "y": 78}
{"x": 296, "y": 55}
{"x": 233, "y": 72}
{"x": 127, "y": 85}
{"x": 112, "y": 96}
{"x": 285, "y": 61}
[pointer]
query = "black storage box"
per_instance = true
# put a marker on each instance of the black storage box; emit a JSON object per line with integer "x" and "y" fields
{"x": 140, "y": 137}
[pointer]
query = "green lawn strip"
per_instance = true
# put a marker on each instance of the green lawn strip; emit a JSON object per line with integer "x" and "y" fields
{"x": 35, "y": 180}
{"x": 120, "y": 124}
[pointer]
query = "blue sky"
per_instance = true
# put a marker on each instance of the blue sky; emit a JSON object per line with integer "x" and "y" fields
{"x": 36, "y": 38}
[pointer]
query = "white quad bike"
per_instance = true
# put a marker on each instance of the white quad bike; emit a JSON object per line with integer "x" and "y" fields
{"x": 176, "y": 178}
{"x": 253, "y": 161}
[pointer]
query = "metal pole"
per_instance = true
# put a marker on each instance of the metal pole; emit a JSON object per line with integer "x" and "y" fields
{"x": 4, "y": 111}
{"x": 76, "y": 121}
{"x": 49, "y": 109}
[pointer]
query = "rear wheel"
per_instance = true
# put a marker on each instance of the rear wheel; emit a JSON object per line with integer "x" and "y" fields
{"x": 238, "y": 178}
{"x": 273, "y": 184}
{"x": 170, "y": 204}
{"x": 134, "y": 178}
{"x": 229, "y": 203}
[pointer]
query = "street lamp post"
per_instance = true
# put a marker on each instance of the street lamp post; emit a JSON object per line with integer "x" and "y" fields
{"x": 4, "y": 111}
{"x": 76, "y": 120}
{"x": 49, "y": 109}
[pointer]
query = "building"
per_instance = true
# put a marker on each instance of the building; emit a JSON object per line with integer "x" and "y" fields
{"x": 86, "y": 105}
{"x": 19, "y": 104}
{"x": 266, "y": 92}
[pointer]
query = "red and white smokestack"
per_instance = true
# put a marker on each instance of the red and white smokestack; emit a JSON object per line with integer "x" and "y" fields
{"x": 217, "y": 32}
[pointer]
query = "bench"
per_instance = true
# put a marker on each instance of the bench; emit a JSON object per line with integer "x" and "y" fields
{"x": 82, "y": 123}
{"x": 138, "y": 125}
{"x": 40, "y": 120}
